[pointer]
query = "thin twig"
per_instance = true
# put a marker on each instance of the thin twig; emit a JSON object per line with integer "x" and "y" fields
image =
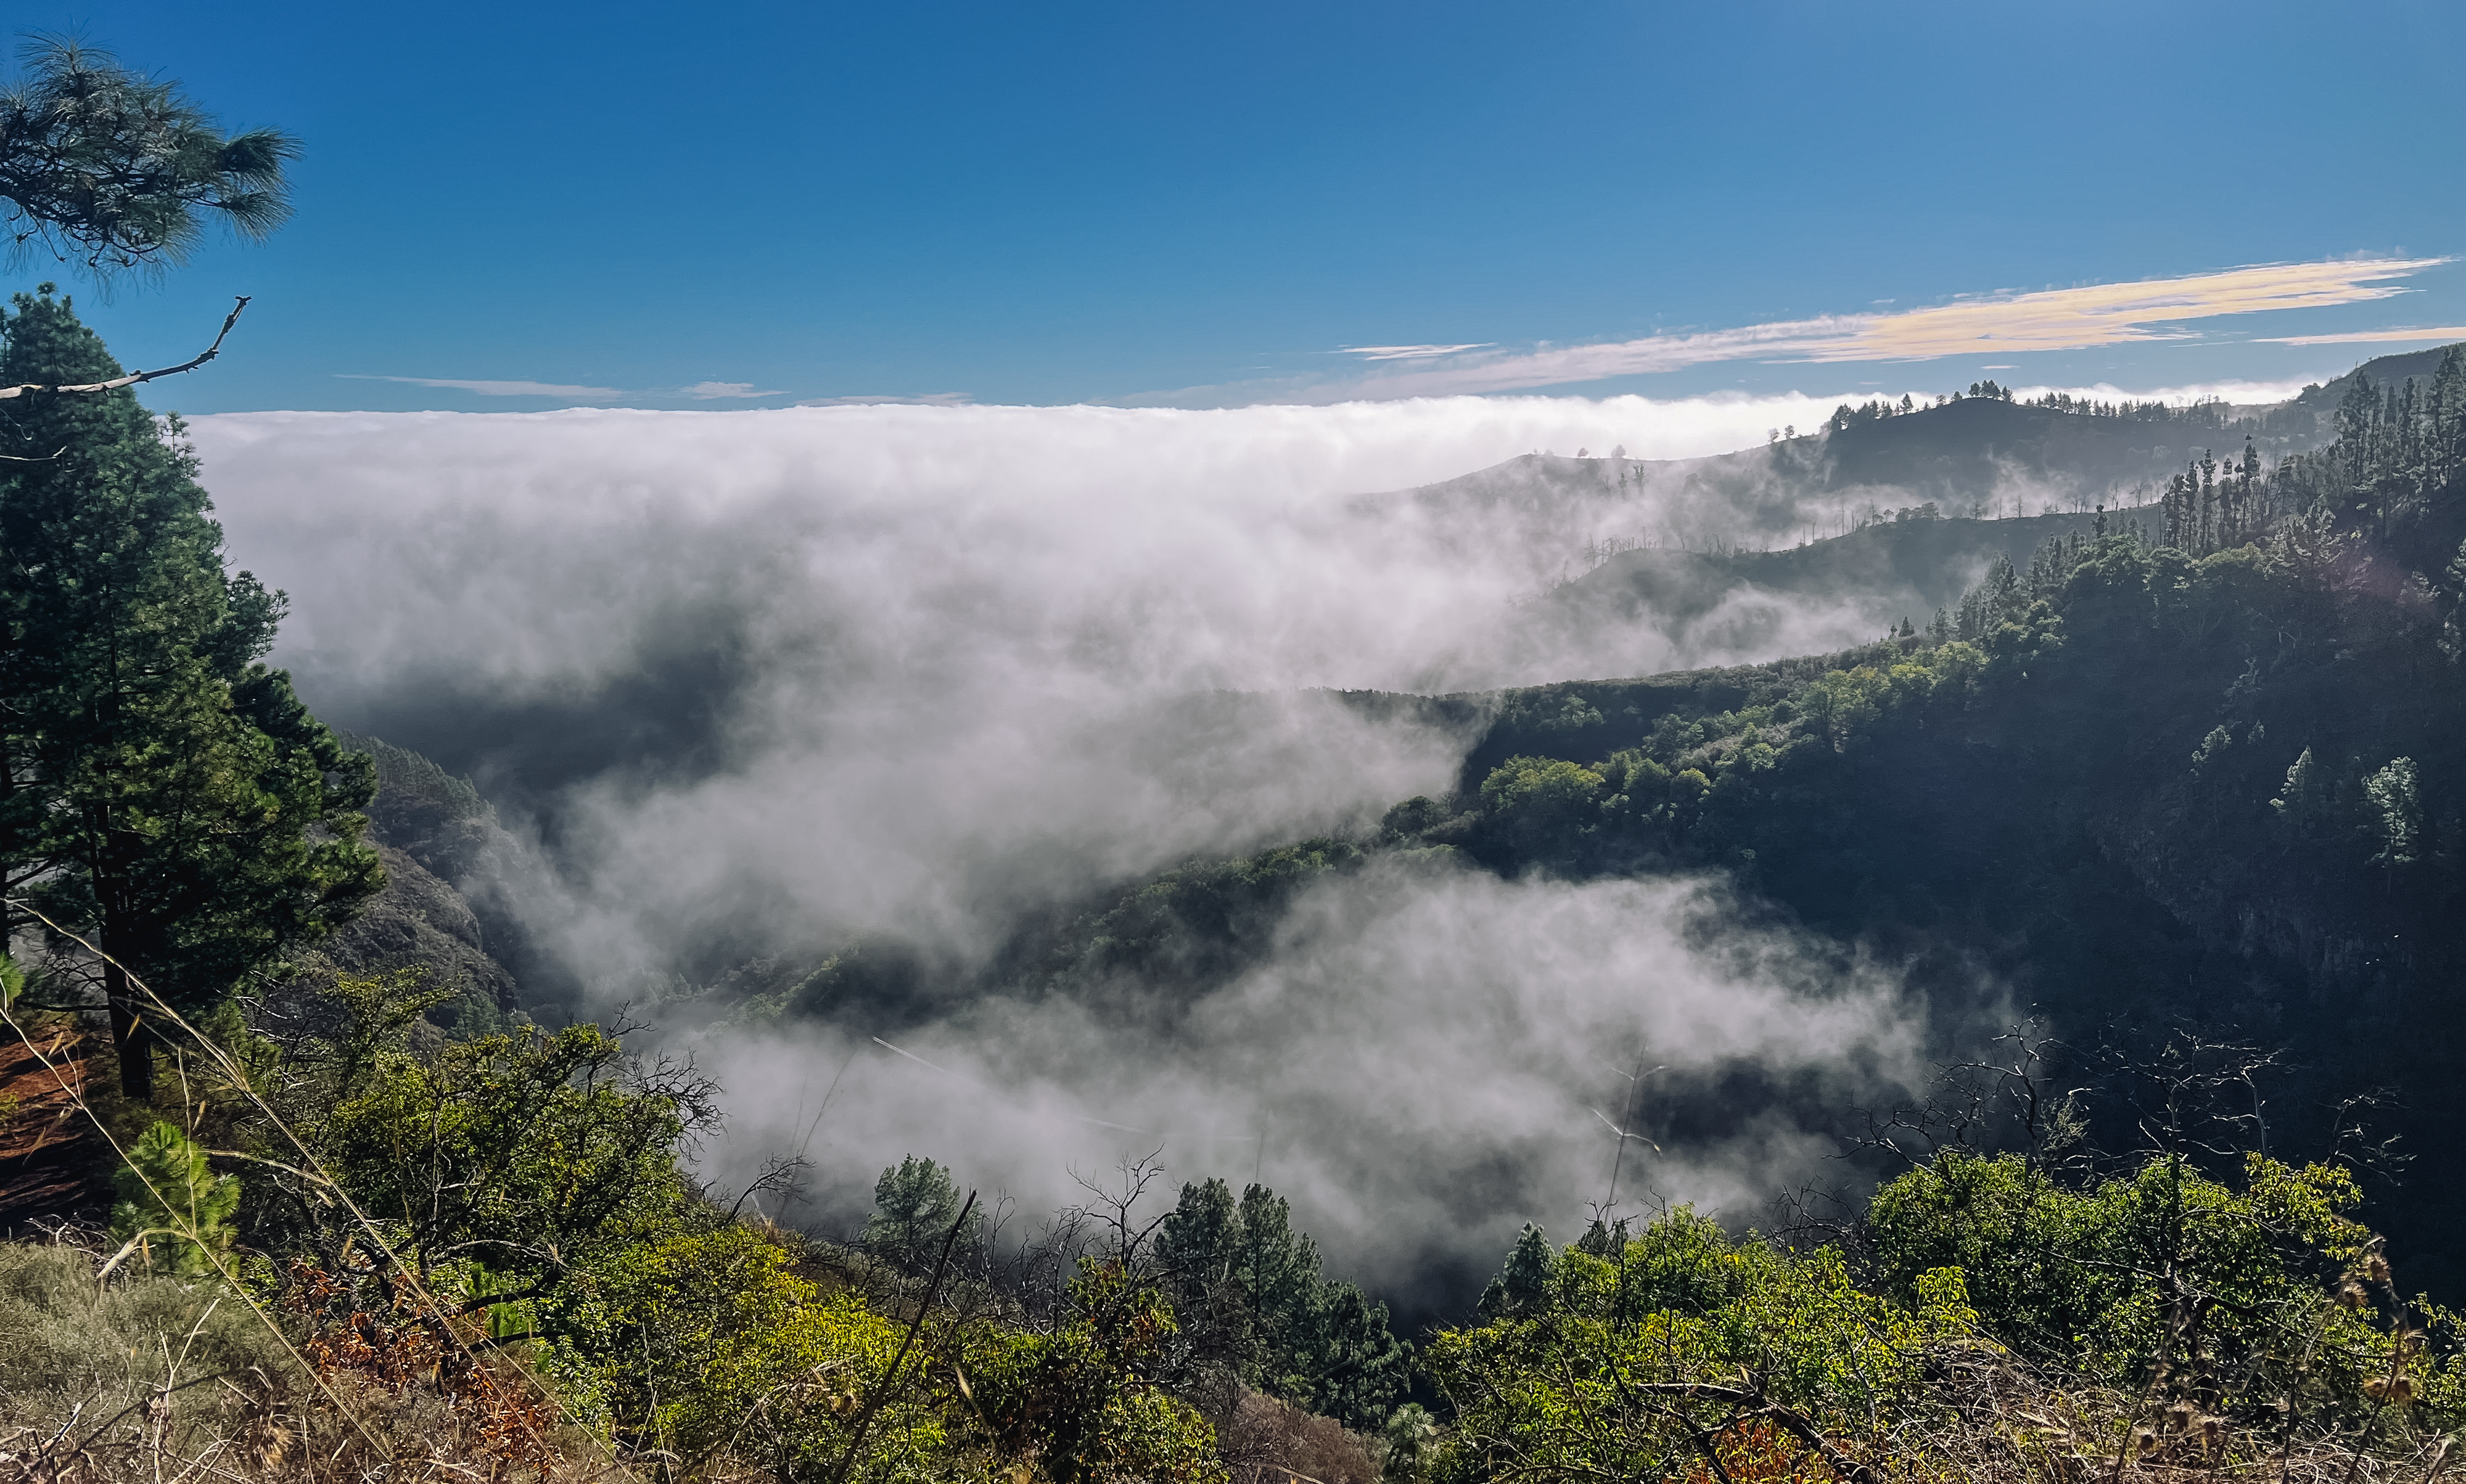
{"x": 881, "y": 1388}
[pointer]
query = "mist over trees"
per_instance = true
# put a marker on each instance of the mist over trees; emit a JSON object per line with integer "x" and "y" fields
{"x": 2046, "y": 780}
{"x": 2181, "y": 783}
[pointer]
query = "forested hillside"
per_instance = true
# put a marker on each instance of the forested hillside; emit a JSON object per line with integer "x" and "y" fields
{"x": 2202, "y": 774}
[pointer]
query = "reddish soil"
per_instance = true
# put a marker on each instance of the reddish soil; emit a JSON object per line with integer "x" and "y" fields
{"x": 49, "y": 1164}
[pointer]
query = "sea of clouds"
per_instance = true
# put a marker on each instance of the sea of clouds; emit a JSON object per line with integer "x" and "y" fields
{"x": 755, "y": 678}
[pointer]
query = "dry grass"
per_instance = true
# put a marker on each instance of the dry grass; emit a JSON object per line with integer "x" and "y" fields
{"x": 146, "y": 1378}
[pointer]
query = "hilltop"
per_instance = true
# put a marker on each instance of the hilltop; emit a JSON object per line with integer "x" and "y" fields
{"x": 2385, "y": 371}
{"x": 1972, "y": 456}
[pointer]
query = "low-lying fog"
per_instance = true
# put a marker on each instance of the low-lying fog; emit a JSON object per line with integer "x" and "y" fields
{"x": 762, "y": 678}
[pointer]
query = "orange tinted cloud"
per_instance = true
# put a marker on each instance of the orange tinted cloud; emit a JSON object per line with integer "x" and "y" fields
{"x": 2106, "y": 314}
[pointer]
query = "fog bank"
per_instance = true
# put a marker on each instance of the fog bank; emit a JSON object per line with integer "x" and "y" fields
{"x": 756, "y": 680}
{"x": 1426, "y": 1061}
{"x": 909, "y": 666}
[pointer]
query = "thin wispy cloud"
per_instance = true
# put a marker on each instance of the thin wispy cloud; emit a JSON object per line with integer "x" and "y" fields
{"x": 501, "y": 388}
{"x": 928, "y": 400}
{"x": 2370, "y": 337}
{"x": 699, "y": 392}
{"x": 2062, "y": 319}
{"x": 1411, "y": 352}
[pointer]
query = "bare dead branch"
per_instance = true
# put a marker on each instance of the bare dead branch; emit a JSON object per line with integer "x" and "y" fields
{"x": 134, "y": 378}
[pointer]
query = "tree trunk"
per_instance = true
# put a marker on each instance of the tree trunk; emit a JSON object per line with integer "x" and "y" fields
{"x": 7, "y": 855}
{"x": 130, "y": 1036}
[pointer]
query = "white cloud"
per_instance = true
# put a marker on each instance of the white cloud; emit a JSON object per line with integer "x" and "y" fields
{"x": 502, "y": 388}
{"x": 713, "y": 391}
{"x": 937, "y": 665}
{"x": 1417, "y": 1065}
{"x": 1008, "y": 602}
{"x": 1409, "y": 352}
{"x": 928, "y": 400}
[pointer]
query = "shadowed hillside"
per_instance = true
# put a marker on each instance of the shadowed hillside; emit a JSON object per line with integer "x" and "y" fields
{"x": 1890, "y": 571}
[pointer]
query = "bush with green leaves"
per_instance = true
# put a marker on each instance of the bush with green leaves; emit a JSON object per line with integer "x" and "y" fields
{"x": 524, "y": 1153}
{"x": 1621, "y": 1366}
{"x": 2233, "y": 1290}
{"x": 710, "y": 1350}
{"x": 2158, "y": 1314}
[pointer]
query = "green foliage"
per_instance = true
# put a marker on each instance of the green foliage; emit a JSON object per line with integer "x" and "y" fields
{"x": 120, "y": 172}
{"x": 2087, "y": 1278}
{"x": 1586, "y": 1375}
{"x": 173, "y": 1208}
{"x": 1522, "y": 1287}
{"x": 2155, "y": 1298}
{"x": 169, "y": 797}
{"x": 1542, "y": 806}
{"x": 1411, "y": 1435}
{"x": 2223, "y": 781}
{"x": 914, "y": 1206}
{"x": 1076, "y": 1398}
{"x": 527, "y": 1151}
{"x": 677, "y": 1343}
{"x": 2303, "y": 806}
{"x": 1250, "y": 1297}
{"x": 708, "y": 1344}
{"x": 2396, "y": 808}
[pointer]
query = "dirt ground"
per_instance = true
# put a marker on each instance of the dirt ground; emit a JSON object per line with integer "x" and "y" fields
{"x": 49, "y": 1165}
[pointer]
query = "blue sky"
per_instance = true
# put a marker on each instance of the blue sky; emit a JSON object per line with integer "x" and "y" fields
{"x": 1206, "y": 203}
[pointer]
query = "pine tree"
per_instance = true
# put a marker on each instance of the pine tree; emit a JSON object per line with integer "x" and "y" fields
{"x": 116, "y": 170}
{"x": 1248, "y": 1296}
{"x": 913, "y": 1206}
{"x": 174, "y": 1209}
{"x": 2397, "y": 805}
{"x": 166, "y": 796}
{"x": 1522, "y": 1286}
{"x": 2303, "y": 805}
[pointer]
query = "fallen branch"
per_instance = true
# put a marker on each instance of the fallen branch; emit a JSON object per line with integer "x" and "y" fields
{"x": 134, "y": 378}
